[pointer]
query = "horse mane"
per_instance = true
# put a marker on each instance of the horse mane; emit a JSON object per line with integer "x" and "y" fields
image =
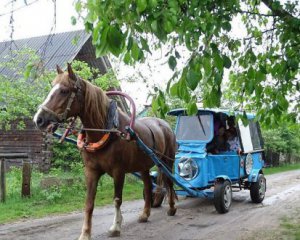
{"x": 95, "y": 100}
{"x": 96, "y": 105}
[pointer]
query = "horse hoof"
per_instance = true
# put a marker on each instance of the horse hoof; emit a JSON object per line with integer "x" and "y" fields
{"x": 143, "y": 218}
{"x": 84, "y": 237}
{"x": 114, "y": 233}
{"x": 172, "y": 211}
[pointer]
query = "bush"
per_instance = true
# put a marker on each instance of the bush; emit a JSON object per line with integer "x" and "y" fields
{"x": 65, "y": 156}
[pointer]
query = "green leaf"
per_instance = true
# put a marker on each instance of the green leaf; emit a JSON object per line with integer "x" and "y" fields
{"x": 260, "y": 77}
{"x": 227, "y": 61}
{"x": 115, "y": 40}
{"x": 103, "y": 47}
{"x": 174, "y": 90}
{"x": 192, "y": 108}
{"x": 27, "y": 72}
{"x": 283, "y": 103}
{"x": 127, "y": 58}
{"x": 168, "y": 27}
{"x": 135, "y": 51}
{"x": 129, "y": 44}
{"x": 218, "y": 61}
{"x": 145, "y": 45}
{"x": 153, "y": 3}
{"x": 226, "y": 26}
{"x": 251, "y": 73}
{"x": 172, "y": 62}
{"x": 154, "y": 26}
{"x": 218, "y": 79}
{"x": 73, "y": 20}
{"x": 207, "y": 66}
{"x": 141, "y": 5}
{"x": 192, "y": 79}
{"x": 78, "y": 6}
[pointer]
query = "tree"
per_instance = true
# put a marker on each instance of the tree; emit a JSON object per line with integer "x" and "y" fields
{"x": 20, "y": 95}
{"x": 263, "y": 64}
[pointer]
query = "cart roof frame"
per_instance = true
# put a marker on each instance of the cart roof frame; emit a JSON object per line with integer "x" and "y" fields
{"x": 183, "y": 111}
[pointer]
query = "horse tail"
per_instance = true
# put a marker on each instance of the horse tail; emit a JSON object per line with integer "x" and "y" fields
{"x": 165, "y": 184}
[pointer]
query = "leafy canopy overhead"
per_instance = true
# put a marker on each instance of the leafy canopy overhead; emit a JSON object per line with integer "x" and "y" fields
{"x": 263, "y": 63}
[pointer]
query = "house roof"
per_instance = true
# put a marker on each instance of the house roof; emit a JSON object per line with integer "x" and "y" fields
{"x": 56, "y": 49}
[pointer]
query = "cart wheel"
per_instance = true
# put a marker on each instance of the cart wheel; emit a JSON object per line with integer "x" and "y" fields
{"x": 258, "y": 189}
{"x": 222, "y": 196}
{"x": 160, "y": 197}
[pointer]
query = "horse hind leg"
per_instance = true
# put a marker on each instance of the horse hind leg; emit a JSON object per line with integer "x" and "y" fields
{"x": 171, "y": 197}
{"x": 115, "y": 229}
{"x": 147, "y": 193}
{"x": 170, "y": 187}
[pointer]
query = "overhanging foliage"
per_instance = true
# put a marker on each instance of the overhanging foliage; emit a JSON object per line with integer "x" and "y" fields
{"x": 263, "y": 64}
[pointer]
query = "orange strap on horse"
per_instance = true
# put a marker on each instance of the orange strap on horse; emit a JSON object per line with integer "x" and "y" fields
{"x": 91, "y": 147}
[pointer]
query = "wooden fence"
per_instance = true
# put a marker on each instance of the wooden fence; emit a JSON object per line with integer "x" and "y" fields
{"x": 26, "y": 174}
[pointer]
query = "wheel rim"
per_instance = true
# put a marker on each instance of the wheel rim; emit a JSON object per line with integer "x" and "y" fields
{"x": 227, "y": 196}
{"x": 262, "y": 187}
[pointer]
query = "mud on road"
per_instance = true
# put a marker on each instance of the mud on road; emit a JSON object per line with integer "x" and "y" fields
{"x": 195, "y": 218}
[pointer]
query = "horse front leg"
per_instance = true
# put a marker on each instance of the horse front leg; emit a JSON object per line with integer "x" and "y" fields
{"x": 115, "y": 229}
{"x": 92, "y": 177}
{"x": 147, "y": 193}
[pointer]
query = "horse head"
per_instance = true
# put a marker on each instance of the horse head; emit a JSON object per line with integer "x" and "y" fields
{"x": 62, "y": 101}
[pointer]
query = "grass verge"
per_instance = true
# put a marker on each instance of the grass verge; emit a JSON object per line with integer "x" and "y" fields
{"x": 283, "y": 168}
{"x": 61, "y": 198}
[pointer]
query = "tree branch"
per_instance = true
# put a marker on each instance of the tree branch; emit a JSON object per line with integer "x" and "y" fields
{"x": 279, "y": 11}
{"x": 263, "y": 32}
{"x": 254, "y": 13}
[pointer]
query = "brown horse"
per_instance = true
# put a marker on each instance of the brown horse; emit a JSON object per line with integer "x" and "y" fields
{"x": 72, "y": 96}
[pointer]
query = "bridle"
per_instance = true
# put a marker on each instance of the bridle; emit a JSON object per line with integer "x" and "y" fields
{"x": 62, "y": 117}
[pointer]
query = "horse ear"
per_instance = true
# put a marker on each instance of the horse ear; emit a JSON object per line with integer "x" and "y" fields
{"x": 71, "y": 73}
{"x": 59, "y": 70}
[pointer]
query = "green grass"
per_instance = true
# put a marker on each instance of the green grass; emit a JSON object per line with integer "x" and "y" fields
{"x": 283, "y": 168}
{"x": 291, "y": 226}
{"x": 59, "y": 199}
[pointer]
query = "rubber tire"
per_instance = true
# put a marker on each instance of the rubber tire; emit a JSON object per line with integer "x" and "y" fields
{"x": 158, "y": 203}
{"x": 255, "y": 189}
{"x": 222, "y": 188}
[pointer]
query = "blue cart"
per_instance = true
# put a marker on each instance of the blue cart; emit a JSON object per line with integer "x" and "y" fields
{"x": 202, "y": 171}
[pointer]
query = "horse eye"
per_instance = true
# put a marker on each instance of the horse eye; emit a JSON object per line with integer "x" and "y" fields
{"x": 64, "y": 91}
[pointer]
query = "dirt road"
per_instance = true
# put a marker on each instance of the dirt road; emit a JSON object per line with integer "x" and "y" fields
{"x": 195, "y": 218}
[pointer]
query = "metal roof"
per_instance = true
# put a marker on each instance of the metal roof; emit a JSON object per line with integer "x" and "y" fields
{"x": 54, "y": 49}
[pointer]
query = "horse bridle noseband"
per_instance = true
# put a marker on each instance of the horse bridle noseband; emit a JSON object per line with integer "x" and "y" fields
{"x": 61, "y": 117}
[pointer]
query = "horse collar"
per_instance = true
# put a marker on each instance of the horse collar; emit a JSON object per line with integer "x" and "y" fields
{"x": 91, "y": 147}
